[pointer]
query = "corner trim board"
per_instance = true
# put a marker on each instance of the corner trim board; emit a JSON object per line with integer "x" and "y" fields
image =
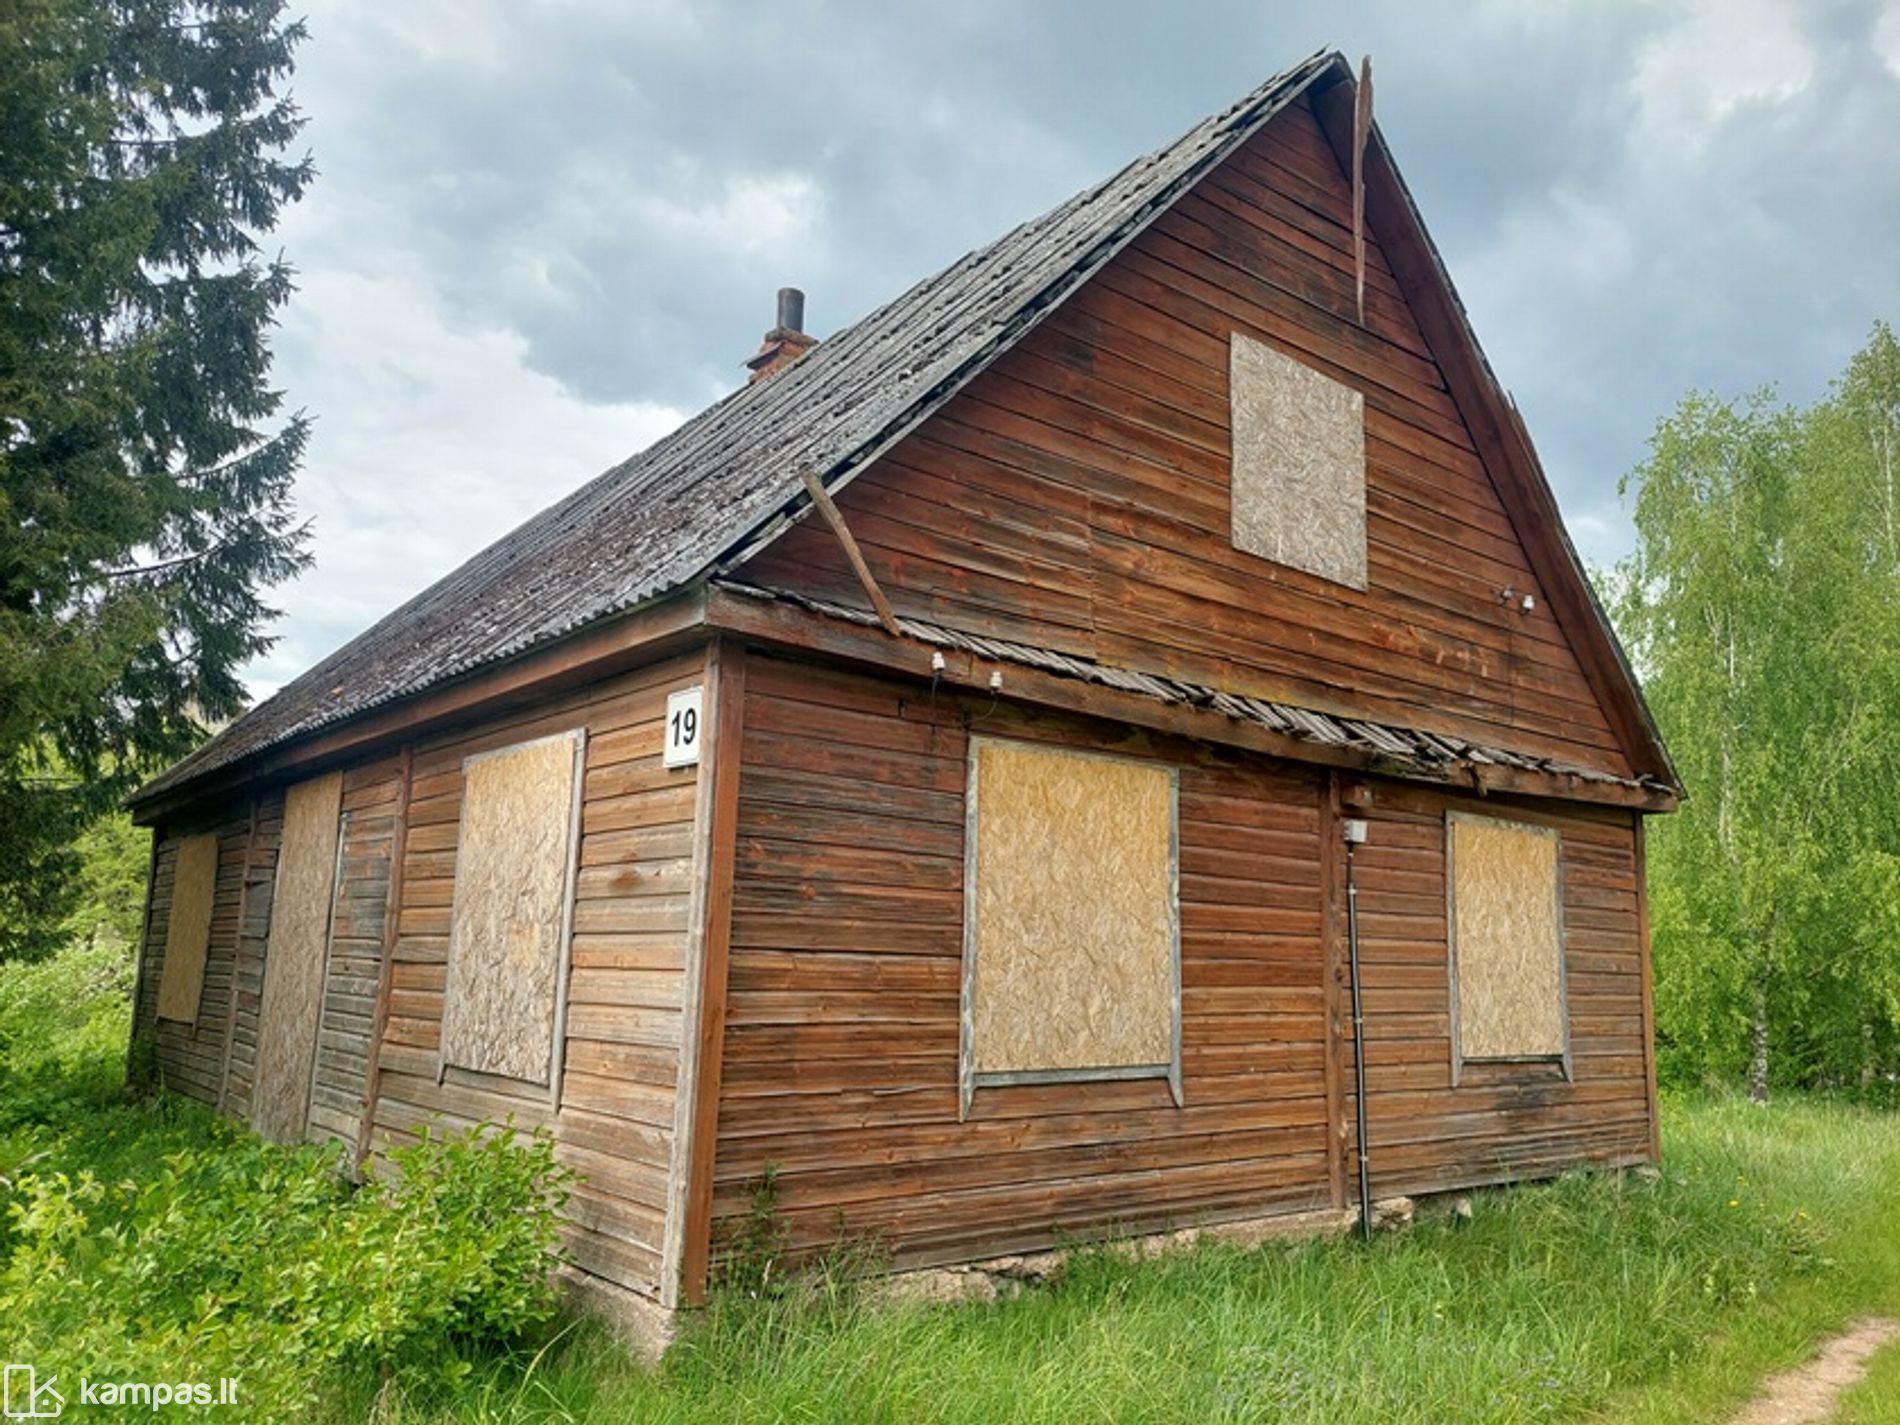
{"x": 687, "y": 1250}
{"x": 145, "y": 949}
{"x": 1649, "y": 989}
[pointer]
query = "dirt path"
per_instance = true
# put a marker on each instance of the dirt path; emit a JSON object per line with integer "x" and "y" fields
{"x": 1806, "y": 1394}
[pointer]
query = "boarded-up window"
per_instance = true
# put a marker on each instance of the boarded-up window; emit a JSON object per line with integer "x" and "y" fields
{"x": 188, "y": 928}
{"x": 1072, "y": 929}
{"x": 1506, "y": 921}
{"x": 514, "y": 868}
{"x": 294, "y": 954}
{"x": 1299, "y": 474}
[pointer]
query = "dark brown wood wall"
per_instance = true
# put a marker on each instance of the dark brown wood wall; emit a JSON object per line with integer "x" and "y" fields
{"x": 359, "y": 914}
{"x": 1075, "y": 496}
{"x": 840, "y": 1059}
{"x": 840, "y": 1052}
{"x": 260, "y": 881}
{"x": 615, "y": 1121}
{"x": 1501, "y": 1121}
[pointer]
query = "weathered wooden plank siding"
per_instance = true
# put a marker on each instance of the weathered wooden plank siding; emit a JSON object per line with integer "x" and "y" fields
{"x": 190, "y": 1057}
{"x": 840, "y": 1062}
{"x": 1076, "y": 495}
{"x": 260, "y": 882}
{"x": 371, "y": 794}
{"x": 624, "y": 993}
{"x": 1502, "y": 1121}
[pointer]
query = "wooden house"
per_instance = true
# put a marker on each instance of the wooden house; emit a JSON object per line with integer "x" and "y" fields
{"x": 971, "y": 770}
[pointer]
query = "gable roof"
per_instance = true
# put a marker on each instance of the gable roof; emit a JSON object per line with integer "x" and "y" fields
{"x": 728, "y": 481}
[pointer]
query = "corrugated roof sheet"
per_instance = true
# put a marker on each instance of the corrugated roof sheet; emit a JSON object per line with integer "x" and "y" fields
{"x": 1399, "y": 749}
{"x": 724, "y": 481}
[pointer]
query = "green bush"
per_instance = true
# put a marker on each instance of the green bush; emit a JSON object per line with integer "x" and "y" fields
{"x": 63, "y": 1022}
{"x": 236, "y": 1258}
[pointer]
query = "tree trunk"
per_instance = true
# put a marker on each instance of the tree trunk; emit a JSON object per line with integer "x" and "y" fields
{"x": 1758, "y": 1045}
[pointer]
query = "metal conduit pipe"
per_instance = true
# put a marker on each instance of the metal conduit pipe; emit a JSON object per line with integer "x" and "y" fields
{"x": 1355, "y": 835}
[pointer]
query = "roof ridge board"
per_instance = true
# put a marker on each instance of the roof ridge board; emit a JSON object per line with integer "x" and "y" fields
{"x": 876, "y": 327}
{"x": 1051, "y": 222}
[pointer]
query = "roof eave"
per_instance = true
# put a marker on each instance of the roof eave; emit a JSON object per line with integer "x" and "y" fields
{"x": 652, "y": 629}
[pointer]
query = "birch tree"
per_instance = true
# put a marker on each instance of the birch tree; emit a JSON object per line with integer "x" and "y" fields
{"x": 1762, "y": 604}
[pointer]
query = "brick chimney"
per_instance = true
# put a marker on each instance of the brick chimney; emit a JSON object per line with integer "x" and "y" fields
{"x": 787, "y": 341}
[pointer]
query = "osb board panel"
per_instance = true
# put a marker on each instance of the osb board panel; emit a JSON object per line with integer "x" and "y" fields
{"x": 514, "y": 860}
{"x": 188, "y": 1055}
{"x": 294, "y": 955}
{"x": 1073, "y": 911}
{"x": 188, "y": 932}
{"x": 1299, "y": 483}
{"x": 1507, "y": 937}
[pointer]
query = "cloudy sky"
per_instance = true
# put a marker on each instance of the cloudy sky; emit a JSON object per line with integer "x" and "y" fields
{"x": 546, "y": 233}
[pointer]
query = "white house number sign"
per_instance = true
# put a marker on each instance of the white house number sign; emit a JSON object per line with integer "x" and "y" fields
{"x": 684, "y": 723}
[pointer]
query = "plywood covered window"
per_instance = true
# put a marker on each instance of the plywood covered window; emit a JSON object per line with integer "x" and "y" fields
{"x": 303, "y": 901}
{"x": 188, "y": 928}
{"x": 1505, "y": 911}
{"x": 1072, "y": 939}
{"x": 1299, "y": 464}
{"x": 514, "y": 887}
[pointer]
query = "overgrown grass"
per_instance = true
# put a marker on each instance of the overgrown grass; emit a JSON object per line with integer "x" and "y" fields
{"x": 1876, "y": 1400}
{"x": 1592, "y": 1298}
{"x": 1595, "y": 1297}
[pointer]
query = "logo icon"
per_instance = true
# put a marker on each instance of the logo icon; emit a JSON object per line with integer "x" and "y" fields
{"x": 27, "y": 1397}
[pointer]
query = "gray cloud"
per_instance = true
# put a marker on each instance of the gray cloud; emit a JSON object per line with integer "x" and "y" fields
{"x": 544, "y": 234}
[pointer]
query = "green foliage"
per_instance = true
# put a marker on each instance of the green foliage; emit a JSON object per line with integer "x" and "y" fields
{"x": 1762, "y": 606}
{"x": 752, "y": 1258}
{"x": 237, "y": 1258}
{"x": 145, "y": 475}
{"x": 150, "y": 1239}
{"x": 63, "y": 1023}
{"x": 110, "y": 885}
{"x": 1875, "y": 1400}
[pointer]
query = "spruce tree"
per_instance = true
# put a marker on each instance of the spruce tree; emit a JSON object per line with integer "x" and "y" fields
{"x": 146, "y": 465}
